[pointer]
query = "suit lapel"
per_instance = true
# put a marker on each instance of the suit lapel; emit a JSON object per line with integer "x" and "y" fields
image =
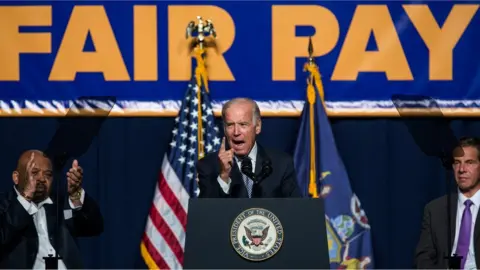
{"x": 12, "y": 195}
{"x": 453, "y": 216}
{"x": 476, "y": 243}
{"x": 30, "y": 232}
{"x": 259, "y": 161}
{"x": 258, "y": 189}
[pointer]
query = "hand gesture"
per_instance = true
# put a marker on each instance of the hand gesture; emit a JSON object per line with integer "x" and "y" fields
{"x": 74, "y": 178}
{"x": 30, "y": 183}
{"x": 226, "y": 161}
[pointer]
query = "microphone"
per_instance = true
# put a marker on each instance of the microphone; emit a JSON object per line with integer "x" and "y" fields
{"x": 247, "y": 168}
{"x": 265, "y": 172}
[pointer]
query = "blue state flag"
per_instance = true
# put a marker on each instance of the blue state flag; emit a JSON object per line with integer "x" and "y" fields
{"x": 321, "y": 174}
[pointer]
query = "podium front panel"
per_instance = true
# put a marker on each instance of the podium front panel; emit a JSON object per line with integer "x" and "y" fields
{"x": 221, "y": 233}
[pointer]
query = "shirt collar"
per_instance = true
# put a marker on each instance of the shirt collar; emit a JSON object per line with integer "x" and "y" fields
{"x": 40, "y": 204}
{"x": 475, "y": 198}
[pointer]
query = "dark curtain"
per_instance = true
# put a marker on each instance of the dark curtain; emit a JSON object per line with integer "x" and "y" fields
{"x": 391, "y": 176}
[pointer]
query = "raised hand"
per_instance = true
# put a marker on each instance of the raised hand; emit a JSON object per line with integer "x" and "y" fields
{"x": 30, "y": 183}
{"x": 74, "y": 178}
{"x": 226, "y": 160}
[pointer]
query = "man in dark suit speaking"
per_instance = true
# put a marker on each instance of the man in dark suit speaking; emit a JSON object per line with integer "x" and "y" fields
{"x": 28, "y": 219}
{"x": 243, "y": 168}
{"x": 465, "y": 223}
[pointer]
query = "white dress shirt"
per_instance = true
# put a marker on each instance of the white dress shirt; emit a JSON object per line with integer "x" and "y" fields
{"x": 37, "y": 211}
{"x": 470, "y": 262}
{"x": 252, "y": 155}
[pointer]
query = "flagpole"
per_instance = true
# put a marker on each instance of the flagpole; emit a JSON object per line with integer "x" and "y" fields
{"x": 312, "y": 188}
{"x": 201, "y": 75}
{"x": 314, "y": 78}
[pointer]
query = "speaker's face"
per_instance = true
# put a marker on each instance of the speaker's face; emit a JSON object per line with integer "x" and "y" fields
{"x": 241, "y": 128}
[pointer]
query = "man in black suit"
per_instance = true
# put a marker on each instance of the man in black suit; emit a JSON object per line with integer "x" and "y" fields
{"x": 27, "y": 216}
{"x": 465, "y": 225}
{"x": 247, "y": 170}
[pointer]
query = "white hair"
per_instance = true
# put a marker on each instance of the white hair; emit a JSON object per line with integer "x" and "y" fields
{"x": 255, "y": 111}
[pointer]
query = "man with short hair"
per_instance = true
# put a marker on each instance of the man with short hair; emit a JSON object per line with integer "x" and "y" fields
{"x": 433, "y": 244}
{"x": 28, "y": 218}
{"x": 243, "y": 168}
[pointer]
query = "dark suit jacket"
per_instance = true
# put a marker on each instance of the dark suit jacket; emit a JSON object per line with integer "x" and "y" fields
{"x": 282, "y": 182}
{"x": 433, "y": 244}
{"x": 19, "y": 239}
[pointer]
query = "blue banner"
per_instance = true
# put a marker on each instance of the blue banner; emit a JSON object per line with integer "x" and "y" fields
{"x": 55, "y": 52}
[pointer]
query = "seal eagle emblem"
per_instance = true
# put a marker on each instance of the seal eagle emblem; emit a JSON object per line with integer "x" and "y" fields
{"x": 256, "y": 234}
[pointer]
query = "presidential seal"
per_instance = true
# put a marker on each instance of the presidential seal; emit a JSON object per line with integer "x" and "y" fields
{"x": 256, "y": 234}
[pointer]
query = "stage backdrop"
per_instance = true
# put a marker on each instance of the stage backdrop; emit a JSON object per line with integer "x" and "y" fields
{"x": 55, "y": 52}
{"x": 391, "y": 176}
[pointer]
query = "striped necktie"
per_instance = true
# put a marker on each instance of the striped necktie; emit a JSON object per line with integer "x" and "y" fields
{"x": 247, "y": 181}
{"x": 249, "y": 184}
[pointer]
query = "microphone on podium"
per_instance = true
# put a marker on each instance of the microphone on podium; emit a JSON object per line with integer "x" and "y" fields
{"x": 247, "y": 169}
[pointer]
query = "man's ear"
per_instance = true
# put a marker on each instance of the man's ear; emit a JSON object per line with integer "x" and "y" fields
{"x": 15, "y": 177}
{"x": 258, "y": 127}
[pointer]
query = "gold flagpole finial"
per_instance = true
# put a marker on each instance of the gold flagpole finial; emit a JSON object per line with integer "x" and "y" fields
{"x": 202, "y": 35}
{"x": 314, "y": 72}
{"x": 310, "y": 50}
{"x": 311, "y": 59}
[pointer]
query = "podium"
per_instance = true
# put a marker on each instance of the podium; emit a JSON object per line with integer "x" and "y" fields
{"x": 285, "y": 233}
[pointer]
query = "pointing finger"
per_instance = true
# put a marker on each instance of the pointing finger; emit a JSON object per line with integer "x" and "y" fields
{"x": 222, "y": 147}
{"x": 229, "y": 156}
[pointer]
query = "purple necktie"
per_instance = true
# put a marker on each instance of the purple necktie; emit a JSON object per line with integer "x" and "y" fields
{"x": 464, "y": 234}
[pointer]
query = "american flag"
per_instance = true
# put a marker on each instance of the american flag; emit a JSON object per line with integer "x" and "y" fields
{"x": 163, "y": 241}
